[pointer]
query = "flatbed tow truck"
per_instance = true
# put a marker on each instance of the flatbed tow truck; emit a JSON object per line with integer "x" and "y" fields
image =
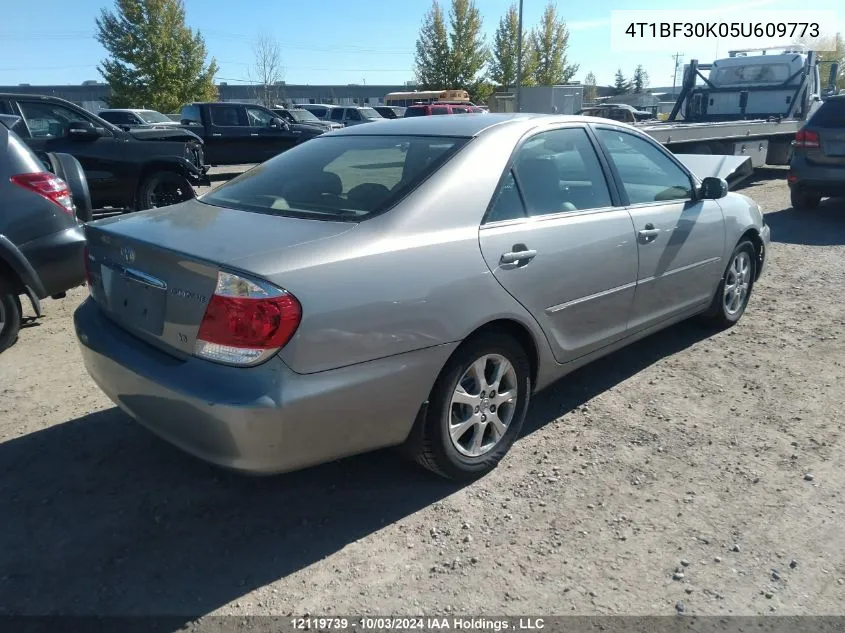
{"x": 749, "y": 106}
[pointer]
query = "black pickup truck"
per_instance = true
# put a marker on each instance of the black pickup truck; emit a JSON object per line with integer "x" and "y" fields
{"x": 126, "y": 170}
{"x": 241, "y": 133}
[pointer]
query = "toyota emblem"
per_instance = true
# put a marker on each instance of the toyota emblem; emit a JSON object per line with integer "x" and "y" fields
{"x": 128, "y": 254}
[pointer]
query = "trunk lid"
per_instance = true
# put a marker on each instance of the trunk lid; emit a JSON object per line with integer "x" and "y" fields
{"x": 153, "y": 272}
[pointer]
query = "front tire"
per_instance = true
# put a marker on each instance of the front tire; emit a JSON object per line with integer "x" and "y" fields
{"x": 734, "y": 290}
{"x": 476, "y": 410}
{"x": 10, "y": 316}
{"x": 803, "y": 200}
{"x": 163, "y": 188}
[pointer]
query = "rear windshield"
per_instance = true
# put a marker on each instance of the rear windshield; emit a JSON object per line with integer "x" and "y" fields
{"x": 343, "y": 178}
{"x": 415, "y": 112}
{"x": 830, "y": 114}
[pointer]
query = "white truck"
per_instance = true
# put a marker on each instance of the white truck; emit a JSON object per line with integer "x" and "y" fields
{"x": 749, "y": 105}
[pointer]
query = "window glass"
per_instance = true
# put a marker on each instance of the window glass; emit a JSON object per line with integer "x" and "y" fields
{"x": 225, "y": 115}
{"x": 191, "y": 113}
{"x": 830, "y": 114}
{"x": 647, "y": 173}
{"x": 352, "y": 114}
{"x": 319, "y": 112}
{"x": 117, "y": 117}
{"x": 415, "y": 112}
{"x": 151, "y": 116}
{"x": 343, "y": 178}
{"x": 48, "y": 120}
{"x": 439, "y": 110}
{"x": 508, "y": 204}
{"x": 337, "y": 114}
{"x": 559, "y": 171}
{"x": 258, "y": 117}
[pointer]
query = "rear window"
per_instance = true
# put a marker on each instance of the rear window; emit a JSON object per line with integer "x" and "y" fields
{"x": 343, "y": 178}
{"x": 830, "y": 114}
{"x": 415, "y": 112}
{"x": 439, "y": 110}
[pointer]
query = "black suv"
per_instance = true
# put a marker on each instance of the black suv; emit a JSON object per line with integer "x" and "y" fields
{"x": 126, "y": 171}
{"x": 817, "y": 168}
{"x": 41, "y": 240}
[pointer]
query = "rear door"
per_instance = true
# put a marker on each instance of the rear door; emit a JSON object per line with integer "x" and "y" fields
{"x": 264, "y": 140}
{"x": 353, "y": 117}
{"x": 336, "y": 115}
{"x": 680, "y": 240}
{"x": 579, "y": 269}
{"x": 228, "y": 136}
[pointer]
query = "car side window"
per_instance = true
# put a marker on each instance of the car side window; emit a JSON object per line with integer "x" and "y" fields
{"x": 191, "y": 115}
{"x": 224, "y": 115}
{"x": 337, "y": 114}
{"x": 439, "y": 110}
{"x": 507, "y": 204}
{"x": 258, "y": 117}
{"x": 647, "y": 173}
{"x": 559, "y": 171}
{"x": 48, "y": 120}
{"x": 353, "y": 115}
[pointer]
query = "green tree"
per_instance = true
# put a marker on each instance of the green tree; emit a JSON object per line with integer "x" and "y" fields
{"x": 468, "y": 52}
{"x": 432, "y": 56}
{"x": 590, "y": 90}
{"x": 155, "y": 60}
{"x": 503, "y": 61}
{"x": 836, "y": 55}
{"x": 480, "y": 91}
{"x": 640, "y": 80}
{"x": 621, "y": 85}
{"x": 550, "y": 41}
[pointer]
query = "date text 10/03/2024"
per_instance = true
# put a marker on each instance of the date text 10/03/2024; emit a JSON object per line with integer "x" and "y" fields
{"x": 417, "y": 624}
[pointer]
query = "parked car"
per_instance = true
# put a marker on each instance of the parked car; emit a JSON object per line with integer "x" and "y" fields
{"x": 319, "y": 110}
{"x": 336, "y": 300}
{"x": 126, "y": 171}
{"x": 817, "y": 167}
{"x": 353, "y": 115}
{"x": 428, "y": 109}
{"x": 241, "y": 133}
{"x": 41, "y": 239}
{"x": 296, "y": 116}
{"x": 130, "y": 118}
{"x": 390, "y": 112}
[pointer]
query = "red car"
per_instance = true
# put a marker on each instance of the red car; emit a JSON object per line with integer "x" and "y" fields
{"x": 439, "y": 107}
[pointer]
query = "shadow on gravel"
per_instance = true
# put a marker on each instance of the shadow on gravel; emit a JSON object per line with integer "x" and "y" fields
{"x": 100, "y": 517}
{"x": 824, "y": 226}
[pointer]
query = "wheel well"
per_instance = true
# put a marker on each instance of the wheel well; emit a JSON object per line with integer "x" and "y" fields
{"x": 754, "y": 237}
{"x": 519, "y": 333}
{"x": 7, "y": 273}
{"x": 157, "y": 167}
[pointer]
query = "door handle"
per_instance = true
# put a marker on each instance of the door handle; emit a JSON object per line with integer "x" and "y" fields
{"x": 648, "y": 233}
{"x": 517, "y": 256}
{"x": 216, "y": 134}
{"x": 253, "y": 134}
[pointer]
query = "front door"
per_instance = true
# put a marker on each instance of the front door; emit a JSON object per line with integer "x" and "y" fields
{"x": 680, "y": 239}
{"x": 271, "y": 140}
{"x": 48, "y": 132}
{"x": 558, "y": 245}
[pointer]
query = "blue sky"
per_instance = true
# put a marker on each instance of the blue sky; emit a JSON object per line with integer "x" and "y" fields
{"x": 332, "y": 41}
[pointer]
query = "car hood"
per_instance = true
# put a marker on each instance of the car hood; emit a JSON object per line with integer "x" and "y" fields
{"x": 163, "y": 134}
{"x": 733, "y": 169}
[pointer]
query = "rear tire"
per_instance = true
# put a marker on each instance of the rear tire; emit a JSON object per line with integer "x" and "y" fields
{"x": 10, "y": 316}
{"x": 466, "y": 431}
{"x": 803, "y": 200}
{"x": 734, "y": 290}
{"x": 163, "y": 188}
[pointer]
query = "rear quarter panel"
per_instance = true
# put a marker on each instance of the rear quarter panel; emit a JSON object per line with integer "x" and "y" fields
{"x": 411, "y": 278}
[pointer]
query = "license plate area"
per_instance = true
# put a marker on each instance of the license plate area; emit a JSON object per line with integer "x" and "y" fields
{"x": 134, "y": 299}
{"x": 834, "y": 148}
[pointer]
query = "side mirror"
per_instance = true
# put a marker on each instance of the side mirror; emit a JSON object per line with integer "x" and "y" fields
{"x": 83, "y": 130}
{"x": 713, "y": 188}
{"x": 834, "y": 74}
{"x": 279, "y": 123}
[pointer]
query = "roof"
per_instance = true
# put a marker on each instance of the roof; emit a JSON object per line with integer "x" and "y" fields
{"x": 461, "y": 125}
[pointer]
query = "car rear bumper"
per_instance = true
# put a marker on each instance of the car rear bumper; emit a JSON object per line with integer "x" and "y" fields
{"x": 825, "y": 180}
{"x": 264, "y": 419}
{"x": 58, "y": 260}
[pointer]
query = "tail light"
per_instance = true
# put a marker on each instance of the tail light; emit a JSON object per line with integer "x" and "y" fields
{"x": 48, "y": 186}
{"x": 246, "y": 321}
{"x": 807, "y": 139}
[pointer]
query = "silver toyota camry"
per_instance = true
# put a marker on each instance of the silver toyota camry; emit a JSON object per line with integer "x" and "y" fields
{"x": 409, "y": 283}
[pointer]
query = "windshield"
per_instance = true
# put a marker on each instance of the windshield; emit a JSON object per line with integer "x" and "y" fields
{"x": 750, "y": 74}
{"x": 151, "y": 116}
{"x": 303, "y": 115}
{"x": 344, "y": 178}
{"x": 370, "y": 113}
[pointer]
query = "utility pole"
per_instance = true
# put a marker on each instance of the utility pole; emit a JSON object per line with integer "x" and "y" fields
{"x": 518, "y": 107}
{"x": 677, "y": 57}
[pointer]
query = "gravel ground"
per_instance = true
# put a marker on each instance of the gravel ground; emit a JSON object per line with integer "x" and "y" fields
{"x": 690, "y": 468}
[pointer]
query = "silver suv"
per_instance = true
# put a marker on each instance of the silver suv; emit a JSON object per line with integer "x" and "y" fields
{"x": 345, "y": 115}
